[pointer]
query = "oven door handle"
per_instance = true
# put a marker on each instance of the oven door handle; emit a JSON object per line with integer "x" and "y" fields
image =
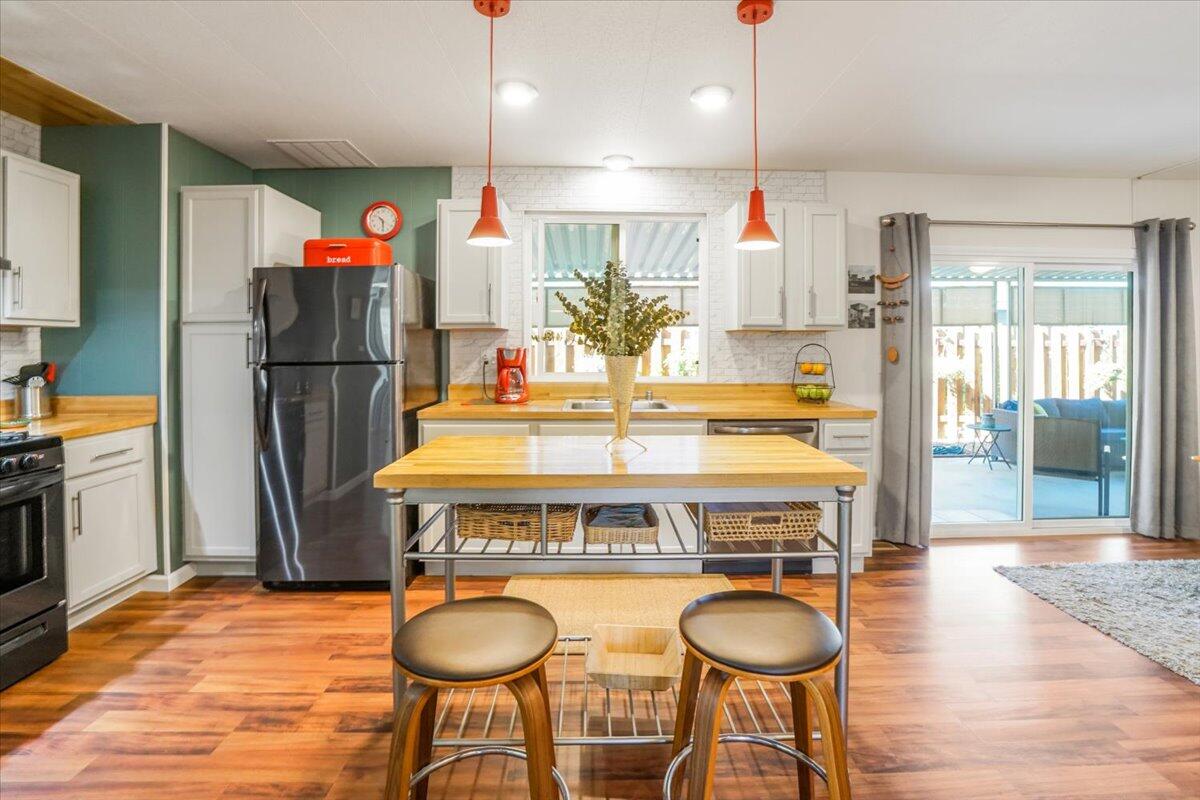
{"x": 14, "y": 491}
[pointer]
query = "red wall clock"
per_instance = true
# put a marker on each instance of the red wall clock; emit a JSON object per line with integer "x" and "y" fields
{"x": 382, "y": 220}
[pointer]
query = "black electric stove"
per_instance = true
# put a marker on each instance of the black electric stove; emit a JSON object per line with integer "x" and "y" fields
{"x": 33, "y": 577}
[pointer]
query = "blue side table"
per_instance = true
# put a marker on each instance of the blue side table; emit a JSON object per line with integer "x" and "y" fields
{"x": 988, "y": 448}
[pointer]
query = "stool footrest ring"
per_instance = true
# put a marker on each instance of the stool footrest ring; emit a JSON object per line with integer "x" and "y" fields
{"x": 746, "y": 738}
{"x": 479, "y": 752}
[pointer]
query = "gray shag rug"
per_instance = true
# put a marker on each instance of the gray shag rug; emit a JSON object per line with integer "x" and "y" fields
{"x": 1151, "y": 606}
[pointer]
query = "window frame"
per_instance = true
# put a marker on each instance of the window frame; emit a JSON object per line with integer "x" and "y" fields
{"x": 534, "y": 282}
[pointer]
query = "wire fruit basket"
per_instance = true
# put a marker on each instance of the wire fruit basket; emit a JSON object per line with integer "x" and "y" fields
{"x": 812, "y": 374}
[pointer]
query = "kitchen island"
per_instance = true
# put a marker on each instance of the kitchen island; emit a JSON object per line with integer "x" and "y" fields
{"x": 672, "y": 470}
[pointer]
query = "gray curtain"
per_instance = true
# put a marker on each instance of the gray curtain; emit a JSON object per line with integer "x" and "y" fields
{"x": 1165, "y": 485}
{"x": 902, "y": 513}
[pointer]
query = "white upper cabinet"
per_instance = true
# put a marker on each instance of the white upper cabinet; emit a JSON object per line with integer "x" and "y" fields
{"x": 758, "y": 282}
{"x": 39, "y": 239}
{"x": 470, "y": 280}
{"x": 824, "y": 258}
{"x": 227, "y": 231}
{"x": 797, "y": 286}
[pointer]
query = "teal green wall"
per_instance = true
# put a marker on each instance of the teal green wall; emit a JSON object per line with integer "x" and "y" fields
{"x": 115, "y": 349}
{"x": 341, "y": 195}
{"x": 189, "y": 163}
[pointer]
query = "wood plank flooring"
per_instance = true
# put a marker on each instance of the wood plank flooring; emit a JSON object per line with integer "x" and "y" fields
{"x": 964, "y": 686}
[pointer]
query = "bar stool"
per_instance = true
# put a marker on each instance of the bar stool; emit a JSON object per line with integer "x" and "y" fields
{"x": 761, "y": 636}
{"x": 471, "y": 644}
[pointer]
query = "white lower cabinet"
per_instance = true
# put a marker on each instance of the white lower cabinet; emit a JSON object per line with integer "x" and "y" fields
{"x": 852, "y": 442}
{"x": 110, "y": 513}
{"x": 217, "y": 442}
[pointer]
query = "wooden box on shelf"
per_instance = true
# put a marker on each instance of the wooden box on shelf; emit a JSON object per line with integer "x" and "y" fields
{"x": 634, "y": 657}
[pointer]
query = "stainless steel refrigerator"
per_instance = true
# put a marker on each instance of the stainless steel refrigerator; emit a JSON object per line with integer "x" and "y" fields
{"x": 344, "y": 357}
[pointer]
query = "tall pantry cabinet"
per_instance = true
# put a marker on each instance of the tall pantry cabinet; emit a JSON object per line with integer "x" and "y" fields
{"x": 225, "y": 232}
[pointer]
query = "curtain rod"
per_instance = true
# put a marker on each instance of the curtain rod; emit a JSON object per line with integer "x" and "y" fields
{"x": 888, "y": 222}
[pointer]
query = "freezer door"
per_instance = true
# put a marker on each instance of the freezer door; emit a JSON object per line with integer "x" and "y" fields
{"x": 321, "y": 432}
{"x": 314, "y": 315}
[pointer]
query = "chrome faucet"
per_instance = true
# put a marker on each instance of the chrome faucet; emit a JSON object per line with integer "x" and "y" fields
{"x": 649, "y": 394}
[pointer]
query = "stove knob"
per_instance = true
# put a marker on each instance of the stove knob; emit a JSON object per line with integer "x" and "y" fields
{"x": 30, "y": 461}
{"x": 8, "y": 466}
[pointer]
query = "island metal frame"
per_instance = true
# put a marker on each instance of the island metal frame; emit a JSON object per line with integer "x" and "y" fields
{"x": 761, "y": 709}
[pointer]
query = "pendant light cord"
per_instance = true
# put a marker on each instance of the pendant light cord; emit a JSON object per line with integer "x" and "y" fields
{"x": 491, "y": 89}
{"x": 754, "y": 50}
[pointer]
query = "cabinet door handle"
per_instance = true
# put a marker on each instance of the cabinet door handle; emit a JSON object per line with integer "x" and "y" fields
{"x": 77, "y": 508}
{"x": 249, "y": 339}
{"x": 249, "y": 294}
{"x": 782, "y": 303}
{"x": 18, "y": 289}
{"x": 812, "y": 303}
{"x": 112, "y": 454}
{"x": 489, "y": 301}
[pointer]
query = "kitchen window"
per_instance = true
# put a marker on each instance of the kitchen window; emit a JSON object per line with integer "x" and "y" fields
{"x": 664, "y": 255}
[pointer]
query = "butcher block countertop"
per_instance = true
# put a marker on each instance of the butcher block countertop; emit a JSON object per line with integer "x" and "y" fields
{"x": 567, "y": 462}
{"x": 79, "y": 416}
{"x": 689, "y": 400}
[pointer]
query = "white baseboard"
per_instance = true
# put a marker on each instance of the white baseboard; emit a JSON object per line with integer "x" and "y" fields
{"x": 240, "y": 568}
{"x": 101, "y": 604}
{"x": 168, "y": 583}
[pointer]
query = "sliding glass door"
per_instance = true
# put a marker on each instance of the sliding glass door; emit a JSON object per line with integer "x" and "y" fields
{"x": 977, "y": 374}
{"x": 1031, "y": 390}
{"x": 1082, "y": 337}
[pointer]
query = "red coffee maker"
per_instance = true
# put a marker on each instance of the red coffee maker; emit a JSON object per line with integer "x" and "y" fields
{"x": 512, "y": 383}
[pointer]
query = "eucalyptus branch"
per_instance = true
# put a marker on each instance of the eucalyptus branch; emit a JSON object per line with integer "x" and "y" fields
{"x": 614, "y": 320}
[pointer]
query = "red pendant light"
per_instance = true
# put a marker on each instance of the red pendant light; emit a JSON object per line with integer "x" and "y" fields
{"x": 489, "y": 230}
{"x": 757, "y": 233}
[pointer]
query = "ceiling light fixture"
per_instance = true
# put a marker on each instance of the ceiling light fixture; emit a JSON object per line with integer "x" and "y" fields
{"x": 489, "y": 230}
{"x": 757, "y": 233}
{"x": 617, "y": 163}
{"x": 712, "y": 98}
{"x": 516, "y": 93}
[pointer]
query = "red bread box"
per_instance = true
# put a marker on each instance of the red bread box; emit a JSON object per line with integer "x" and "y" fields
{"x": 347, "y": 253}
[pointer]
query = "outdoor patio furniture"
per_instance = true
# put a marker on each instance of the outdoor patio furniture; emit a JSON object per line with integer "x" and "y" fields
{"x": 1082, "y": 439}
{"x": 988, "y": 445}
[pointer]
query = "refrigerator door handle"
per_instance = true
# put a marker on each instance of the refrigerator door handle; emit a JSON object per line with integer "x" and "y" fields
{"x": 261, "y": 320}
{"x": 264, "y": 398}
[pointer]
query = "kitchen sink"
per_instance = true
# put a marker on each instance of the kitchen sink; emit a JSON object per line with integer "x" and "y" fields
{"x": 604, "y": 404}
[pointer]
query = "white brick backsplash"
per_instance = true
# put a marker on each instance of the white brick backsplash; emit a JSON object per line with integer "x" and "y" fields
{"x": 732, "y": 357}
{"x": 21, "y": 137}
{"x": 18, "y": 346}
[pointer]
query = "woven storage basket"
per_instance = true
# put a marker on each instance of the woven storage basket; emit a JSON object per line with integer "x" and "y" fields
{"x": 744, "y": 522}
{"x": 647, "y": 533}
{"x": 516, "y": 522}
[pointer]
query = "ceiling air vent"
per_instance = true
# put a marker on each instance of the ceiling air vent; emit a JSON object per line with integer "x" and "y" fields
{"x": 322, "y": 153}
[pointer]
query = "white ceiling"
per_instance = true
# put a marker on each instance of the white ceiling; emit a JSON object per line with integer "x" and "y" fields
{"x": 1030, "y": 88}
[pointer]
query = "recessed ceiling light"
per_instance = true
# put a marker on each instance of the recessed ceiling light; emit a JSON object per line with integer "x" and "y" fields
{"x": 617, "y": 163}
{"x": 516, "y": 93}
{"x": 712, "y": 98}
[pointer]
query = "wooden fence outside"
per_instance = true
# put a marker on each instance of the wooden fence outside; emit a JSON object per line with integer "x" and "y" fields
{"x": 1073, "y": 361}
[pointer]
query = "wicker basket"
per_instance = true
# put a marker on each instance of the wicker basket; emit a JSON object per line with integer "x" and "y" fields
{"x": 744, "y": 522}
{"x": 646, "y": 533}
{"x": 515, "y": 522}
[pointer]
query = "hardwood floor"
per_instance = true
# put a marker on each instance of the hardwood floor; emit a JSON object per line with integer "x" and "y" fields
{"x": 963, "y": 686}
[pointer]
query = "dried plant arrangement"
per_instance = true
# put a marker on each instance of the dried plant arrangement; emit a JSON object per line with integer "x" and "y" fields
{"x": 613, "y": 319}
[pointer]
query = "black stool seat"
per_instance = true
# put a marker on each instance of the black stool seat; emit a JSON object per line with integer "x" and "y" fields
{"x": 760, "y": 632}
{"x": 468, "y": 641}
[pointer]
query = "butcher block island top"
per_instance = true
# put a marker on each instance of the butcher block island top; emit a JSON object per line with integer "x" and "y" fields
{"x": 561, "y": 462}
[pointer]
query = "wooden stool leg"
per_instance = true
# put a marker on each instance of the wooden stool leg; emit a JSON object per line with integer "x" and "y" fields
{"x": 802, "y": 725}
{"x": 544, "y": 688}
{"x": 685, "y": 715}
{"x": 703, "y": 760}
{"x": 406, "y": 735}
{"x": 539, "y": 737}
{"x": 425, "y": 744}
{"x": 833, "y": 741}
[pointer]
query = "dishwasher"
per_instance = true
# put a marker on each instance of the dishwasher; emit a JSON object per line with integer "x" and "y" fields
{"x": 805, "y": 430}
